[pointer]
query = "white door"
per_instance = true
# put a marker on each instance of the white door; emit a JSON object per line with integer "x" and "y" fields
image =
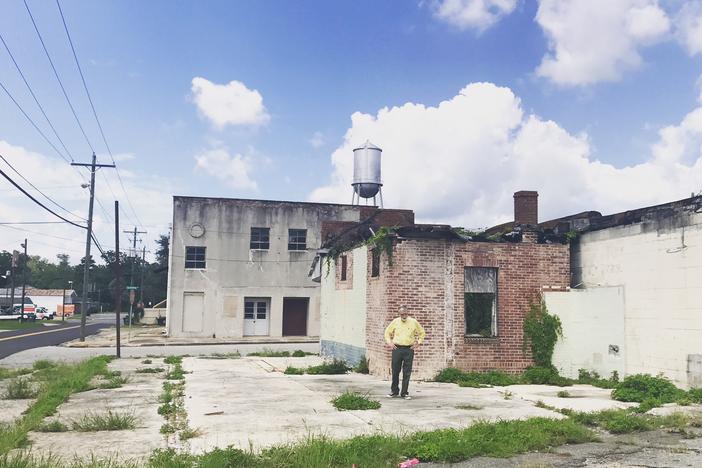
{"x": 256, "y": 313}
{"x": 193, "y": 311}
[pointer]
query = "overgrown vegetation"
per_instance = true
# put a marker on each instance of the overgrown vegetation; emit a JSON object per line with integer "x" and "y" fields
{"x": 109, "y": 421}
{"x": 594, "y": 379}
{"x": 362, "y": 366}
{"x": 173, "y": 360}
{"x": 290, "y": 370}
{"x": 545, "y": 376}
{"x": 52, "y": 426}
{"x": 564, "y": 394}
{"x": 234, "y": 355}
{"x": 641, "y": 387}
{"x": 20, "y": 388}
{"x": 172, "y": 406}
{"x": 146, "y": 361}
{"x": 336, "y": 366}
{"x": 381, "y": 242}
{"x": 621, "y": 421}
{"x": 10, "y": 373}
{"x": 150, "y": 370}
{"x": 542, "y": 331}
{"x": 354, "y": 401}
{"x": 269, "y": 352}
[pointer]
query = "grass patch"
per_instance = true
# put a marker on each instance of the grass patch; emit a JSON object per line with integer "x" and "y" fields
{"x": 564, "y": 394}
{"x": 43, "y": 364}
{"x": 336, "y": 366}
{"x": 17, "y": 325}
{"x": 20, "y": 388}
{"x": 290, "y": 370}
{"x": 234, "y": 355}
{"x": 110, "y": 421}
{"x": 167, "y": 429}
{"x": 189, "y": 433}
{"x": 476, "y": 379}
{"x": 545, "y": 376}
{"x": 177, "y": 373}
{"x": 621, "y": 421}
{"x": 594, "y": 379}
{"x": 469, "y": 407}
{"x": 362, "y": 366}
{"x": 268, "y": 352}
{"x": 113, "y": 382}
{"x": 173, "y": 360}
{"x": 10, "y": 373}
{"x": 52, "y": 426}
{"x": 146, "y": 361}
{"x": 66, "y": 379}
{"x": 150, "y": 370}
{"x": 641, "y": 387}
{"x": 301, "y": 353}
{"x": 354, "y": 401}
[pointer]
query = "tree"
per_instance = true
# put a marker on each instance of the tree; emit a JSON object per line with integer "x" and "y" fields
{"x": 162, "y": 251}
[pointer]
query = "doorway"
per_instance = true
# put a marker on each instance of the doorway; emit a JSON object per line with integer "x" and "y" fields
{"x": 256, "y": 316}
{"x": 295, "y": 316}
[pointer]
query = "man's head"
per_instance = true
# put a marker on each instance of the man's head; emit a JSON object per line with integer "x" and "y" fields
{"x": 403, "y": 313}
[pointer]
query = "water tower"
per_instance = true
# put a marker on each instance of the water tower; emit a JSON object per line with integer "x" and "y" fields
{"x": 366, "y": 174}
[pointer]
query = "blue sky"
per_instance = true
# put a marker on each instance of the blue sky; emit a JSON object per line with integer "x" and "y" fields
{"x": 633, "y": 70}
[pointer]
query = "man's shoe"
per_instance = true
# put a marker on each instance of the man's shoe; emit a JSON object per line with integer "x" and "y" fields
{"x": 407, "y": 397}
{"x": 392, "y": 395}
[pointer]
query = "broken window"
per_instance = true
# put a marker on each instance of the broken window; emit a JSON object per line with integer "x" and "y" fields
{"x": 195, "y": 257}
{"x": 297, "y": 239}
{"x": 344, "y": 265}
{"x": 260, "y": 238}
{"x": 375, "y": 262}
{"x": 480, "y": 307}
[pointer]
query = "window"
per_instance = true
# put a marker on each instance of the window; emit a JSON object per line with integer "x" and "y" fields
{"x": 297, "y": 239}
{"x": 254, "y": 309}
{"x": 344, "y": 265}
{"x": 260, "y": 238}
{"x": 480, "y": 306}
{"x": 375, "y": 262}
{"x": 195, "y": 257}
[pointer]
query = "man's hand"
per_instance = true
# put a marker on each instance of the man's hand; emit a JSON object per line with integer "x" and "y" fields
{"x": 391, "y": 346}
{"x": 414, "y": 346}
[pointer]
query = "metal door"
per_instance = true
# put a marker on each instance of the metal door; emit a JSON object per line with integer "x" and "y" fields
{"x": 256, "y": 314}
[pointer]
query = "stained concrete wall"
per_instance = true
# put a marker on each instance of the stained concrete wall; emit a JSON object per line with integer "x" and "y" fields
{"x": 343, "y": 309}
{"x": 658, "y": 263}
{"x": 234, "y": 271}
{"x": 593, "y": 330}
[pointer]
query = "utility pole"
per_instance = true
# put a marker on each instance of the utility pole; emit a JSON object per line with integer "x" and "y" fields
{"x": 24, "y": 277}
{"x": 89, "y": 238}
{"x": 131, "y": 276}
{"x": 13, "y": 264}
{"x": 118, "y": 275}
{"x": 143, "y": 264}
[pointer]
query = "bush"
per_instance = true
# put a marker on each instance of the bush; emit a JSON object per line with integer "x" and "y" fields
{"x": 449, "y": 375}
{"x": 542, "y": 331}
{"x": 354, "y": 401}
{"x": 290, "y": 370}
{"x": 695, "y": 395}
{"x": 337, "y": 366}
{"x": 594, "y": 379}
{"x": 545, "y": 376}
{"x": 362, "y": 366}
{"x": 640, "y": 387}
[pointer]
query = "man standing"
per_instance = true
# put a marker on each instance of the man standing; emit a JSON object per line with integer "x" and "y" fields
{"x": 403, "y": 334}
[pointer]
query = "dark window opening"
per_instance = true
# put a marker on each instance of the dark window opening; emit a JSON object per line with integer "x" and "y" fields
{"x": 195, "y": 257}
{"x": 480, "y": 305}
{"x": 297, "y": 239}
{"x": 375, "y": 262}
{"x": 260, "y": 238}
{"x": 344, "y": 265}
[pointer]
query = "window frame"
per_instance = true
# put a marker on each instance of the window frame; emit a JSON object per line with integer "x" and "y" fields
{"x": 344, "y": 266}
{"x": 194, "y": 263}
{"x": 375, "y": 263}
{"x": 495, "y": 308}
{"x": 258, "y": 244}
{"x": 296, "y": 244}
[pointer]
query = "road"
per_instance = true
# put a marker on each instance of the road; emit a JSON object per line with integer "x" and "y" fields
{"x": 18, "y": 340}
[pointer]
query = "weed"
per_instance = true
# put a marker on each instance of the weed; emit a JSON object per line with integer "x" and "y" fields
{"x": 640, "y": 387}
{"x": 166, "y": 409}
{"x": 468, "y": 407}
{"x": 19, "y": 389}
{"x": 43, "y": 364}
{"x": 234, "y": 355}
{"x": 150, "y": 370}
{"x": 113, "y": 382}
{"x": 564, "y": 394}
{"x": 10, "y": 373}
{"x": 52, "y": 426}
{"x": 146, "y": 361}
{"x": 545, "y": 376}
{"x": 507, "y": 395}
{"x": 354, "y": 401}
{"x": 177, "y": 373}
{"x": 449, "y": 375}
{"x": 110, "y": 421}
{"x": 167, "y": 429}
{"x": 268, "y": 352}
{"x": 301, "y": 353}
{"x": 476, "y": 379}
{"x": 173, "y": 360}
{"x": 336, "y": 366}
{"x": 294, "y": 370}
{"x": 362, "y": 366}
{"x": 541, "y": 404}
{"x": 593, "y": 378}
{"x": 189, "y": 433}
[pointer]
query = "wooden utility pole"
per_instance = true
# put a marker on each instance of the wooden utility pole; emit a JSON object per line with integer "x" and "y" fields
{"x": 118, "y": 275}
{"x": 89, "y": 239}
{"x": 131, "y": 276}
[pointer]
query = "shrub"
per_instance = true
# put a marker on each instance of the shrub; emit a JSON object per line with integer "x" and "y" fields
{"x": 640, "y": 387}
{"x": 354, "y": 401}
{"x": 449, "y": 375}
{"x": 290, "y": 370}
{"x": 19, "y": 389}
{"x": 695, "y": 395}
{"x": 594, "y": 379}
{"x": 362, "y": 366}
{"x": 542, "y": 330}
{"x": 336, "y": 366}
{"x": 545, "y": 376}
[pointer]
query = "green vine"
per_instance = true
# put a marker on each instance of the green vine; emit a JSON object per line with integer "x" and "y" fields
{"x": 542, "y": 330}
{"x": 381, "y": 241}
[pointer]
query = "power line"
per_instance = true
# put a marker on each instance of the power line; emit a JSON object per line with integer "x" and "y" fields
{"x": 6, "y": 226}
{"x": 92, "y": 106}
{"x": 29, "y": 195}
{"x": 41, "y": 108}
{"x": 35, "y": 188}
{"x": 53, "y": 67}
{"x": 4, "y": 223}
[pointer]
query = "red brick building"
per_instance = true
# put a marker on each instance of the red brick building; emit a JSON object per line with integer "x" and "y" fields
{"x": 470, "y": 293}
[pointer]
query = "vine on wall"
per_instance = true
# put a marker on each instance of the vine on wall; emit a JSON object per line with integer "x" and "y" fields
{"x": 542, "y": 330}
{"x": 381, "y": 241}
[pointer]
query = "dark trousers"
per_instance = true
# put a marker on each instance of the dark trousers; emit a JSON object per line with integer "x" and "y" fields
{"x": 402, "y": 358}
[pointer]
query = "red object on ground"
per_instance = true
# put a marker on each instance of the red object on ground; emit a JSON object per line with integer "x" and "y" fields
{"x": 408, "y": 463}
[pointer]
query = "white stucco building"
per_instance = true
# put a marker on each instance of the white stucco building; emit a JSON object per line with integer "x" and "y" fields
{"x": 239, "y": 268}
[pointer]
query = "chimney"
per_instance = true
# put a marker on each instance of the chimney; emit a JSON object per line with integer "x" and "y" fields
{"x": 526, "y": 207}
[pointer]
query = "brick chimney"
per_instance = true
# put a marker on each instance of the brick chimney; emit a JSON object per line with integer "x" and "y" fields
{"x": 526, "y": 207}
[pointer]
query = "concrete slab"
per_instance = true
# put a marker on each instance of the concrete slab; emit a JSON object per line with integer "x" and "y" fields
{"x": 583, "y": 398}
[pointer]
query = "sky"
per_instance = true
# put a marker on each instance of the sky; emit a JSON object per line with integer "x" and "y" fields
{"x": 597, "y": 104}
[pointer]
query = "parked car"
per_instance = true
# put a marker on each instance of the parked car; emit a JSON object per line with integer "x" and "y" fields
{"x": 44, "y": 314}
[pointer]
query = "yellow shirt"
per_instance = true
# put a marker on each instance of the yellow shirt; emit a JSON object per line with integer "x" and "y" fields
{"x": 404, "y": 333}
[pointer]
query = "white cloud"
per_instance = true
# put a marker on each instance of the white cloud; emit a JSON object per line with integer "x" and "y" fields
{"x": 150, "y": 196}
{"x": 233, "y": 170}
{"x": 461, "y": 161}
{"x": 317, "y": 140}
{"x": 689, "y": 27}
{"x": 473, "y": 14}
{"x": 597, "y": 40}
{"x": 229, "y": 104}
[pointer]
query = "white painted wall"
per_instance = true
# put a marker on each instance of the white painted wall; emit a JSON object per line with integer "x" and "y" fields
{"x": 659, "y": 265}
{"x": 343, "y": 311}
{"x": 592, "y": 321}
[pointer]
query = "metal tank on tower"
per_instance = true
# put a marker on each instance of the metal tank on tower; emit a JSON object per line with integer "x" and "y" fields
{"x": 366, "y": 174}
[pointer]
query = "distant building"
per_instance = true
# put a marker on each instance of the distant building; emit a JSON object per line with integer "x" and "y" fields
{"x": 49, "y": 298}
{"x": 239, "y": 268}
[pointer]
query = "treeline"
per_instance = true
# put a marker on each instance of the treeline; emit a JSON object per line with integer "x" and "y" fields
{"x": 43, "y": 274}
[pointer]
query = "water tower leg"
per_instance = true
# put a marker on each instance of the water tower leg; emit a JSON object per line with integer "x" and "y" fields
{"x": 380, "y": 193}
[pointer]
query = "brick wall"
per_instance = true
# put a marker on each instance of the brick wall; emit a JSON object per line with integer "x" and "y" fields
{"x": 526, "y": 207}
{"x": 427, "y": 276}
